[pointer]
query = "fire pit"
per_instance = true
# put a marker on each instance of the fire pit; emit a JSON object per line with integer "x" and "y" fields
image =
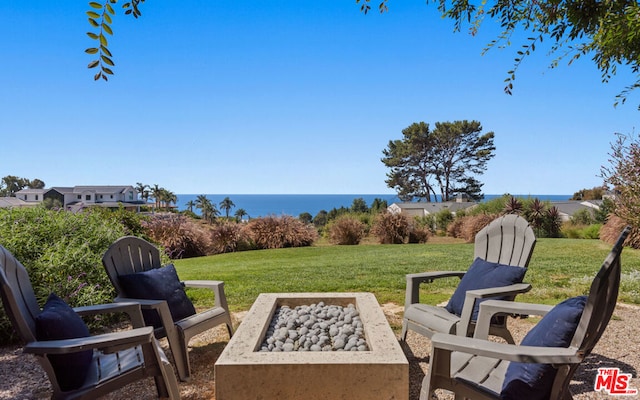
{"x": 244, "y": 372}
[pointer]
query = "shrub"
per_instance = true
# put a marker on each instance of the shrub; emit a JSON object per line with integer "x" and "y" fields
{"x": 347, "y": 230}
{"x": 418, "y": 234}
{"x": 606, "y": 208}
{"x": 552, "y": 222}
{"x": 443, "y": 219}
{"x": 426, "y": 221}
{"x": 468, "y": 227}
{"x": 181, "y": 237}
{"x": 278, "y": 232}
{"x": 513, "y": 206}
{"x": 493, "y": 206}
{"x": 391, "y": 228}
{"x": 455, "y": 227}
{"x": 227, "y": 237}
{"x": 592, "y": 231}
{"x": 582, "y": 217}
{"x": 62, "y": 253}
{"x": 611, "y": 230}
{"x": 132, "y": 222}
{"x": 571, "y": 231}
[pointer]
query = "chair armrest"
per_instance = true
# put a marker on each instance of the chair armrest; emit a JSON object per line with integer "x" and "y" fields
{"x": 108, "y": 342}
{"x": 471, "y": 296}
{"x": 132, "y": 309}
{"x": 504, "y": 351}
{"x": 490, "y": 308}
{"x": 216, "y": 286}
{"x": 160, "y": 306}
{"x": 412, "y": 295}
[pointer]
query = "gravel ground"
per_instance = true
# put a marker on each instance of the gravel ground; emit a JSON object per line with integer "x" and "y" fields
{"x": 22, "y": 377}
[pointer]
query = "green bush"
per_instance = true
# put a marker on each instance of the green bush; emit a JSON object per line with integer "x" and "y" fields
{"x": 582, "y": 217}
{"x": 347, "y": 230}
{"x": 62, "y": 253}
{"x": 493, "y": 206}
{"x": 572, "y": 231}
{"x": 443, "y": 218}
{"x": 426, "y": 221}
{"x": 279, "y": 232}
{"x": 391, "y": 228}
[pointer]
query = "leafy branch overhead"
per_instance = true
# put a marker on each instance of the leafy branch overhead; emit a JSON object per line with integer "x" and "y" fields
{"x": 100, "y": 18}
{"x": 606, "y": 30}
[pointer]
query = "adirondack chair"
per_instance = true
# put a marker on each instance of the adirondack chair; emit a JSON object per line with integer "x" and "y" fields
{"x": 507, "y": 241}
{"x": 83, "y": 367}
{"x": 129, "y": 255}
{"x": 543, "y": 364}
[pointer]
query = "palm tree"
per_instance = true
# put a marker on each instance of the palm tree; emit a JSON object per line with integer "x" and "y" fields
{"x": 208, "y": 209}
{"x": 141, "y": 188}
{"x": 190, "y": 204}
{"x": 169, "y": 197}
{"x": 241, "y": 212}
{"x": 226, "y": 205}
{"x": 202, "y": 203}
{"x": 156, "y": 194}
{"x": 213, "y": 213}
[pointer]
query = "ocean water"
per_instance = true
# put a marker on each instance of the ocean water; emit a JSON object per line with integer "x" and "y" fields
{"x": 260, "y": 205}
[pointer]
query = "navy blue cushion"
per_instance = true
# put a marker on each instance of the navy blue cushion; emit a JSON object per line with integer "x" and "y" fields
{"x": 556, "y": 329}
{"x": 58, "y": 321}
{"x": 158, "y": 284}
{"x": 483, "y": 275}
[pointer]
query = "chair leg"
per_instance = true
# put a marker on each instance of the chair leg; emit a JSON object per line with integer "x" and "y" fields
{"x": 230, "y": 330}
{"x": 229, "y": 325}
{"x": 184, "y": 364}
{"x": 405, "y": 329}
{"x": 180, "y": 353}
{"x": 165, "y": 379}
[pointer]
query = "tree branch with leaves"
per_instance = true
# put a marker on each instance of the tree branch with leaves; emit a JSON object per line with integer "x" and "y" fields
{"x": 606, "y": 30}
{"x": 100, "y": 17}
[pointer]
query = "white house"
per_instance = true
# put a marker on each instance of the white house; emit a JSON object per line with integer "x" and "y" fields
{"x": 78, "y": 197}
{"x": 421, "y": 209}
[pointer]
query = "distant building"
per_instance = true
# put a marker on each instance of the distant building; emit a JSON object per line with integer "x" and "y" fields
{"x": 9, "y": 202}
{"x": 568, "y": 208}
{"x": 78, "y": 197}
{"x": 421, "y": 209}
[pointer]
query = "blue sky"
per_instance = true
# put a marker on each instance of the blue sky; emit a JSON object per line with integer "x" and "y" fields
{"x": 283, "y": 97}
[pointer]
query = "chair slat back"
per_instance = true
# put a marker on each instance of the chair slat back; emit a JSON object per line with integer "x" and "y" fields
{"x": 602, "y": 299}
{"x": 506, "y": 240}
{"x": 128, "y": 255}
{"x": 18, "y": 298}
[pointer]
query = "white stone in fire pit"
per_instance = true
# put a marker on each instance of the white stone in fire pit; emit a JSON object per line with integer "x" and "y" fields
{"x": 242, "y": 372}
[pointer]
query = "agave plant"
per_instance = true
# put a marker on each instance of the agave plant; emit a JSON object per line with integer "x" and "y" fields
{"x": 513, "y": 206}
{"x": 553, "y": 222}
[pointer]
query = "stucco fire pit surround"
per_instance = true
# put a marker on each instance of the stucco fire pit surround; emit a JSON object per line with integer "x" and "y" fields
{"x": 242, "y": 372}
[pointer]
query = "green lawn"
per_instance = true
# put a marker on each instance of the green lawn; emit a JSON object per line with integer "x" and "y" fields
{"x": 559, "y": 268}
